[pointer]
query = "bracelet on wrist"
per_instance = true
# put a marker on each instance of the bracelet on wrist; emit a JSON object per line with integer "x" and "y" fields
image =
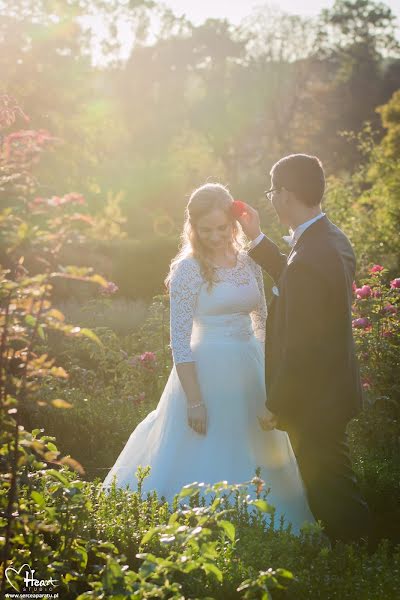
{"x": 195, "y": 405}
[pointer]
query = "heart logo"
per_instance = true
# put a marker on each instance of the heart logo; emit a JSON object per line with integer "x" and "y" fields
{"x": 11, "y": 569}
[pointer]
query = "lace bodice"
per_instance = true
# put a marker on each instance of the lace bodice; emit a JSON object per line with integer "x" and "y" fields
{"x": 239, "y": 291}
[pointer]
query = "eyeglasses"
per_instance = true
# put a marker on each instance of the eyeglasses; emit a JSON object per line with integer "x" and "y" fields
{"x": 268, "y": 193}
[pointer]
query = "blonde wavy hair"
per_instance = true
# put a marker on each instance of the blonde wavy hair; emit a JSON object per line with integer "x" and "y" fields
{"x": 202, "y": 201}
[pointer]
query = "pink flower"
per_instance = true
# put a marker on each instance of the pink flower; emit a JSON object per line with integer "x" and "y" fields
{"x": 148, "y": 360}
{"x": 110, "y": 289}
{"x": 75, "y": 198}
{"x": 389, "y": 308}
{"x": 364, "y": 292}
{"x": 376, "y": 269}
{"x": 354, "y": 286}
{"x": 139, "y": 399}
{"x": 395, "y": 283}
{"x": 387, "y": 334}
{"x": 376, "y": 293}
{"x": 361, "y": 323}
{"x": 55, "y": 201}
{"x": 366, "y": 383}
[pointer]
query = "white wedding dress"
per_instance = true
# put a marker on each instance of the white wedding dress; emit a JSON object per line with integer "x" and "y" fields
{"x": 223, "y": 332}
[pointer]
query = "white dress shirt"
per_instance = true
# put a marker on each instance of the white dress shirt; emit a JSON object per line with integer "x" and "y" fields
{"x": 293, "y": 238}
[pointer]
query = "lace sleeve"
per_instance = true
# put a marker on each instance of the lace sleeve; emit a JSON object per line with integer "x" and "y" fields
{"x": 185, "y": 285}
{"x": 259, "y": 315}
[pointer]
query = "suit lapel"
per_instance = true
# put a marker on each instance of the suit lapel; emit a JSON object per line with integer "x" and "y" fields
{"x": 312, "y": 229}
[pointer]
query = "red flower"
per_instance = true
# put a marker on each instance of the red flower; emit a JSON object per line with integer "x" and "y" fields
{"x": 238, "y": 208}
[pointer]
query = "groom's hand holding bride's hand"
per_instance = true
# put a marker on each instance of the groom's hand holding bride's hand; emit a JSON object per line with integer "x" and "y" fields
{"x": 268, "y": 421}
{"x": 250, "y": 222}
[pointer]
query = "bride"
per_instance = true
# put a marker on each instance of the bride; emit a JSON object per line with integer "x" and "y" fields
{"x": 207, "y": 425}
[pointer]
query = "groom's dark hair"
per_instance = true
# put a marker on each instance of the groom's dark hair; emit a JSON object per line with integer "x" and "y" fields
{"x": 301, "y": 174}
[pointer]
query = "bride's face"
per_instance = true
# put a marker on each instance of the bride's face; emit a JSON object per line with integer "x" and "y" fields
{"x": 214, "y": 230}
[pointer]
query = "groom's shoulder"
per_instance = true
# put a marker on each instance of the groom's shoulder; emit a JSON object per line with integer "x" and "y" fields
{"x": 329, "y": 239}
{"x": 338, "y": 240}
{"x": 328, "y": 247}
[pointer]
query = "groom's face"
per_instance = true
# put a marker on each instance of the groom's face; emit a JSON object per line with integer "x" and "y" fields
{"x": 280, "y": 200}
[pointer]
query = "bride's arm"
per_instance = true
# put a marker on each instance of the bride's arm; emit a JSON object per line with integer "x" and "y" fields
{"x": 185, "y": 285}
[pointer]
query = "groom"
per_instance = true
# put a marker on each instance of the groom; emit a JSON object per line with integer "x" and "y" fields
{"x": 312, "y": 378}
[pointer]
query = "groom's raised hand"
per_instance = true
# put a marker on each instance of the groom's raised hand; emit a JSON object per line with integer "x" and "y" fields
{"x": 250, "y": 222}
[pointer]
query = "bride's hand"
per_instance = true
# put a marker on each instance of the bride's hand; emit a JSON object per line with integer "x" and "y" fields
{"x": 268, "y": 421}
{"x": 197, "y": 418}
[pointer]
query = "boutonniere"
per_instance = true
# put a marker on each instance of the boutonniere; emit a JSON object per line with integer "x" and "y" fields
{"x": 275, "y": 291}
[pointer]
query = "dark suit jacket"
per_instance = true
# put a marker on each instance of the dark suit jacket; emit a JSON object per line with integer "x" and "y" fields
{"x": 312, "y": 375}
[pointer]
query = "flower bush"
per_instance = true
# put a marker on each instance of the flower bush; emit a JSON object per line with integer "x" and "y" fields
{"x": 376, "y": 326}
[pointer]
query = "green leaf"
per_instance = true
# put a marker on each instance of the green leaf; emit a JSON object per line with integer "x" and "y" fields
{"x": 285, "y": 573}
{"x": 30, "y": 320}
{"x": 38, "y": 498}
{"x": 147, "y": 536}
{"x": 84, "y": 555}
{"x": 262, "y": 505}
{"x": 57, "y": 475}
{"x": 187, "y": 490}
{"x": 173, "y": 518}
{"x": 91, "y": 335}
{"x": 229, "y": 529}
{"x": 59, "y": 403}
{"x": 211, "y": 568}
